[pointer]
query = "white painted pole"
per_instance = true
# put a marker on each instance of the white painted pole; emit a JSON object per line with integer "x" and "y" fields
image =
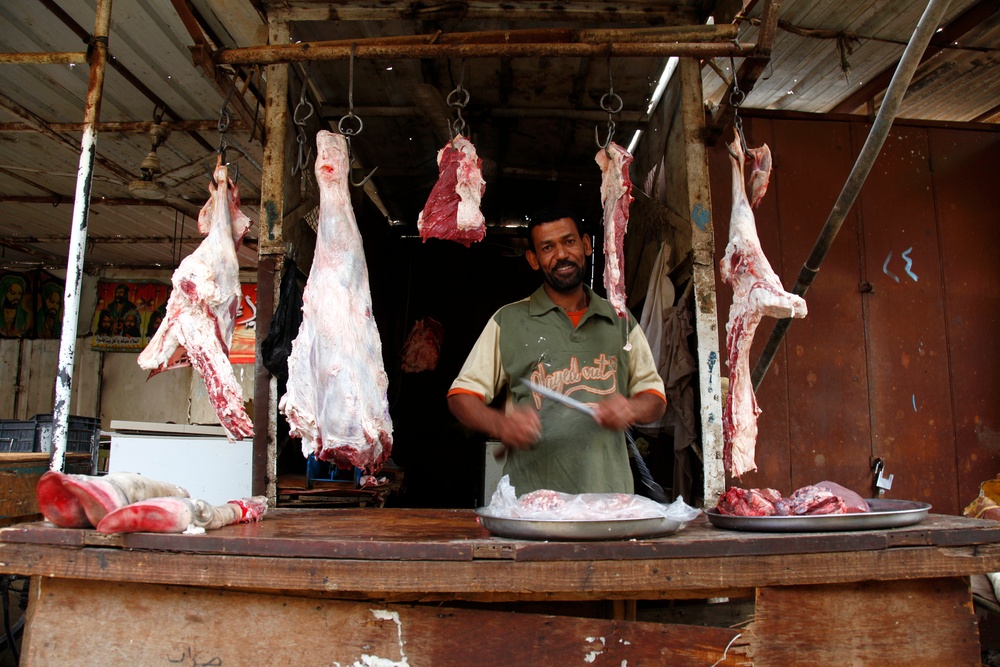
{"x": 78, "y": 235}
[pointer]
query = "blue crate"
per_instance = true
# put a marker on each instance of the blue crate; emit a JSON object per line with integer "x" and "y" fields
{"x": 322, "y": 471}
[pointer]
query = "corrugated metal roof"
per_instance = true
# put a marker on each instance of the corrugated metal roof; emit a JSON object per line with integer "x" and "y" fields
{"x": 533, "y": 119}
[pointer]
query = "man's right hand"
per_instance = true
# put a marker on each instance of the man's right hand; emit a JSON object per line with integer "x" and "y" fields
{"x": 518, "y": 429}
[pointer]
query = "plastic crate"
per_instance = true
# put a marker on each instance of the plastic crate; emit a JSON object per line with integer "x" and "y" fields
{"x": 35, "y": 435}
{"x": 17, "y": 435}
{"x": 322, "y": 471}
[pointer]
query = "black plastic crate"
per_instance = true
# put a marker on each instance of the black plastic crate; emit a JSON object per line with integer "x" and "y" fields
{"x": 17, "y": 435}
{"x": 83, "y": 434}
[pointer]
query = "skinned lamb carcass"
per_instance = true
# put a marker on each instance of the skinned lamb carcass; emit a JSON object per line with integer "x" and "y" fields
{"x": 616, "y": 196}
{"x": 757, "y": 292}
{"x": 452, "y": 210}
{"x": 336, "y": 398}
{"x": 201, "y": 311}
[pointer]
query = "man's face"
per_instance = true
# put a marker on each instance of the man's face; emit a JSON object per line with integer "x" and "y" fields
{"x": 52, "y": 303}
{"x": 13, "y": 297}
{"x": 120, "y": 294}
{"x": 560, "y": 253}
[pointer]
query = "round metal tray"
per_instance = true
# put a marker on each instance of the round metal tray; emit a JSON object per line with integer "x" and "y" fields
{"x": 613, "y": 529}
{"x": 884, "y": 514}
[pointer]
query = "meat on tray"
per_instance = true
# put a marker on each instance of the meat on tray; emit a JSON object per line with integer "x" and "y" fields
{"x": 757, "y": 292}
{"x": 616, "y": 196}
{"x": 201, "y": 311}
{"x": 452, "y": 210}
{"x": 336, "y": 398}
{"x": 814, "y": 499}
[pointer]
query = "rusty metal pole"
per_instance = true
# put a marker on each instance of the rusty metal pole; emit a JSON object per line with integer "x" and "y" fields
{"x": 78, "y": 235}
{"x": 894, "y": 94}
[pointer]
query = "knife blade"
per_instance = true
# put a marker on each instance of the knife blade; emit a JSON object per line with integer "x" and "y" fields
{"x": 656, "y": 491}
{"x": 559, "y": 398}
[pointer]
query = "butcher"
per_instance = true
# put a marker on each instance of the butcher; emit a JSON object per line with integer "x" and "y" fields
{"x": 569, "y": 339}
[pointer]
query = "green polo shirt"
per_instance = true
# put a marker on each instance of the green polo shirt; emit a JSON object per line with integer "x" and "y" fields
{"x": 603, "y": 355}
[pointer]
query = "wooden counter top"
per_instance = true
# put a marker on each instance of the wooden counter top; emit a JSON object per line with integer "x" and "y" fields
{"x": 349, "y": 570}
{"x": 423, "y": 553}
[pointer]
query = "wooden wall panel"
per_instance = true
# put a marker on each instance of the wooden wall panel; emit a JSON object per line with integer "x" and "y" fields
{"x": 907, "y": 344}
{"x": 966, "y": 168}
{"x": 905, "y": 371}
{"x": 828, "y": 401}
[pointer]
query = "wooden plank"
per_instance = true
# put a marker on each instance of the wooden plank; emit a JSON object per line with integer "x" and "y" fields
{"x": 648, "y": 13}
{"x": 270, "y": 254}
{"x": 928, "y": 622}
{"x": 429, "y": 579}
{"x": 146, "y": 625}
{"x": 398, "y": 534}
{"x": 704, "y": 266}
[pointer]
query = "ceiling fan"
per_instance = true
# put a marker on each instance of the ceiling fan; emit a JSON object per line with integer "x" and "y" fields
{"x": 146, "y": 186}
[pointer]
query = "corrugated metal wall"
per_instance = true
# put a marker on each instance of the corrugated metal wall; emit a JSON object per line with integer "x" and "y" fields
{"x": 896, "y": 358}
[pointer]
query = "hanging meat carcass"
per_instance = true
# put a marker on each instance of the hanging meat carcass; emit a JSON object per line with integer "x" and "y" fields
{"x": 452, "y": 209}
{"x": 201, "y": 311}
{"x": 336, "y": 399}
{"x": 757, "y": 292}
{"x": 616, "y": 196}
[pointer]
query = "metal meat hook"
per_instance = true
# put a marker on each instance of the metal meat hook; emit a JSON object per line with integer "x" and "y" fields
{"x": 612, "y": 106}
{"x": 350, "y": 159}
{"x": 347, "y": 130}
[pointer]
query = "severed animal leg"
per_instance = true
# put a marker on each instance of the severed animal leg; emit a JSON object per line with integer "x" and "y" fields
{"x": 180, "y": 515}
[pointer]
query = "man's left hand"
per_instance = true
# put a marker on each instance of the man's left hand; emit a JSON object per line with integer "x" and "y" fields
{"x": 617, "y": 413}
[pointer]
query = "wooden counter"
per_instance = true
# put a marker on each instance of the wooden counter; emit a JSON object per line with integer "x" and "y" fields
{"x": 324, "y": 586}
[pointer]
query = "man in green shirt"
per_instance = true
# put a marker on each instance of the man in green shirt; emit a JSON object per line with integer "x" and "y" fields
{"x": 569, "y": 339}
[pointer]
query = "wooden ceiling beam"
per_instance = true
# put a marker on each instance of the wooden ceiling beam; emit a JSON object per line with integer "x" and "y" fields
{"x": 40, "y": 58}
{"x": 708, "y": 36}
{"x": 56, "y": 200}
{"x": 130, "y": 127}
{"x": 649, "y": 12}
{"x": 972, "y": 18}
{"x": 365, "y": 49}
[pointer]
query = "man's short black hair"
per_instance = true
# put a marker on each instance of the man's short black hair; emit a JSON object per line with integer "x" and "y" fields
{"x": 551, "y": 214}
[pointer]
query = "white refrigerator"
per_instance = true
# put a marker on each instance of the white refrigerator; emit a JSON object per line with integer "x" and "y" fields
{"x": 198, "y": 458}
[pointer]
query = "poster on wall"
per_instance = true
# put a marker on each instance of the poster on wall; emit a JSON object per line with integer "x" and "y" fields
{"x": 49, "y": 305}
{"x": 243, "y": 348}
{"x": 127, "y": 314}
{"x": 16, "y": 311}
{"x": 31, "y": 304}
